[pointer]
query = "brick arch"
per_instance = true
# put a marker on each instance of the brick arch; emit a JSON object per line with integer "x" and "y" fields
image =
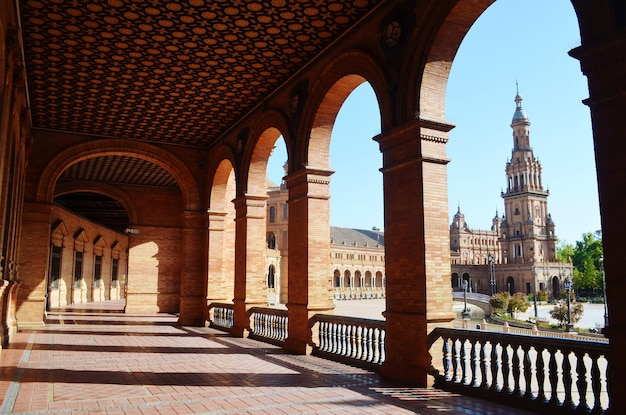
{"x": 220, "y": 168}
{"x": 263, "y": 138}
{"x": 329, "y": 93}
{"x": 92, "y": 149}
{"x": 101, "y": 188}
{"x": 426, "y": 89}
{"x": 600, "y": 18}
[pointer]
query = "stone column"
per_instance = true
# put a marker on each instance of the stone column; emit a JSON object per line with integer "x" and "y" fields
{"x": 250, "y": 289}
{"x": 34, "y": 257}
{"x": 603, "y": 64}
{"x": 417, "y": 246}
{"x": 310, "y": 284}
{"x": 193, "y": 283}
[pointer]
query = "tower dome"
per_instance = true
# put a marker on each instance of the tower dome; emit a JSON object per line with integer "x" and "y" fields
{"x": 519, "y": 115}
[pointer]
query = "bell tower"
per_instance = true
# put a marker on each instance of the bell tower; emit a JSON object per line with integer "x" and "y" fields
{"x": 527, "y": 231}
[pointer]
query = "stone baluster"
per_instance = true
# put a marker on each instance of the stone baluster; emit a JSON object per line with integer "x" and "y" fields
{"x": 568, "y": 380}
{"x": 541, "y": 376}
{"x": 517, "y": 367}
{"x": 553, "y": 376}
{"x": 581, "y": 383}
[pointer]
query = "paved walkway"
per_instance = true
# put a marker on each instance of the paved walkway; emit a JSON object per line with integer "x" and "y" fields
{"x": 96, "y": 360}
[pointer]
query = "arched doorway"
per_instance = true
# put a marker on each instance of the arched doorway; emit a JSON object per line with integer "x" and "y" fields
{"x": 556, "y": 288}
{"x": 510, "y": 285}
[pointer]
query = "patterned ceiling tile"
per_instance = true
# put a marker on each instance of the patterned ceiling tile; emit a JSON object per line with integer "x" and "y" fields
{"x": 168, "y": 71}
{"x": 119, "y": 170}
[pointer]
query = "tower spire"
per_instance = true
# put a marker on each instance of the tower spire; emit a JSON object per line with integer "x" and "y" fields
{"x": 519, "y": 115}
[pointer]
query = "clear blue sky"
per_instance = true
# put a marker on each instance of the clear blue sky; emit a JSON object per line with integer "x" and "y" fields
{"x": 525, "y": 41}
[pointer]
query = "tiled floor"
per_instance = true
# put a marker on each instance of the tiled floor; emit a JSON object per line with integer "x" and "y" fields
{"x": 97, "y": 361}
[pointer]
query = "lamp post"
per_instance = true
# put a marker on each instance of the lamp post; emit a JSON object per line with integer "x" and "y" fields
{"x": 465, "y": 312}
{"x": 606, "y": 310}
{"x": 568, "y": 287}
{"x": 532, "y": 269}
{"x": 492, "y": 276}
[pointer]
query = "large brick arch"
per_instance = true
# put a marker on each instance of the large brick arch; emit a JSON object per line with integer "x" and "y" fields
{"x": 101, "y": 188}
{"x": 92, "y": 149}
{"x": 426, "y": 89}
{"x": 329, "y": 93}
{"x": 263, "y": 138}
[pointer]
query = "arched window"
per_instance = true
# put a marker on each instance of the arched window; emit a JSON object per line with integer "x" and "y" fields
{"x": 271, "y": 272}
{"x": 285, "y": 212}
{"x": 510, "y": 285}
{"x": 273, "y": 214}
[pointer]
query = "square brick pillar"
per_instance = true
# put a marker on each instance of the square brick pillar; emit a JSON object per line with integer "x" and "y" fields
{"x": 193, "y": 283}
{"x": 310, "y": 289}
{"x": 250, "y": 287}
{"x": 33, "y": 270}
{"x": 603, "y": 64}
{"x": 417, "y": 247}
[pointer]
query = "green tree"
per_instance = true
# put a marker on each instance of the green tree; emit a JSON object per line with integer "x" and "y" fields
{"x": 564, "y": 251}
{"x": 519, "y": 302}
{"x": 559, "y": 312}
{"x": 586, "y": 260}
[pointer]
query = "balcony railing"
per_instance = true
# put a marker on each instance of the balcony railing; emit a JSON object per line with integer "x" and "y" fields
{"x": 358, "y": 293}
{"x": 356, "y": 341}
{"x": 532, "y": 371}
{"x": 269, "y": 324}
{"x": 221, "y": 316}
{"x": 544, "y": 374}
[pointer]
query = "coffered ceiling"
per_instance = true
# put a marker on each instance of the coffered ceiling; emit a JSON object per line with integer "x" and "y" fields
{"x": 171, "y": 72}
{"x": 179, "y": 72}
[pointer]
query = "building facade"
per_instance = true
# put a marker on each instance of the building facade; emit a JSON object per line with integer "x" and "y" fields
{"x": 357, "y": 256}
{"x": 518, "y": 252}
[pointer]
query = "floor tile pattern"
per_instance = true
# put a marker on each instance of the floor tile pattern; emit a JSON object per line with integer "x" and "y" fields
{"x": 98, "y": 361}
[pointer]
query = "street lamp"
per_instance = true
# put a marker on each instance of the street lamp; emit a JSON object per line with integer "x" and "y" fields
{"x": 568, "y": 287}
{"x": 606, "y": 310}
{"x": 532, "y": 268}
{"x": 465, "y": 312}
{"x": 492, "y": 276}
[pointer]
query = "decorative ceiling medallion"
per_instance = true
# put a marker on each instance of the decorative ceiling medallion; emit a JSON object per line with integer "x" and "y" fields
{"x": 392, "y": 34}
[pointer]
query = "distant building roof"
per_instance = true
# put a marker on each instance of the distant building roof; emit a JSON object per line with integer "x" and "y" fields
{"x": 271, "y": 186}
{"x": 360, "y": 237}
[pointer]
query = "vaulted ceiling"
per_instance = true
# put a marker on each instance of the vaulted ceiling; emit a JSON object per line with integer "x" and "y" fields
{"x": 174, "y": 72}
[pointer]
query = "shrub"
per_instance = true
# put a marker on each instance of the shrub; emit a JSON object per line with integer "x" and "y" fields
{"x": 559, "y": 312}
{"x": 519, "y": 302}
{"x": 500, "y": 301}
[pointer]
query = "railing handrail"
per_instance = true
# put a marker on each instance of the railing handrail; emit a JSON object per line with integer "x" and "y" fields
{"x": 483, "y": 298}
{"x": 269, "y": 310}
{"x": 220, "y": 304}
{"x": 571, "y": 344}
{"x": 330, "y": 318}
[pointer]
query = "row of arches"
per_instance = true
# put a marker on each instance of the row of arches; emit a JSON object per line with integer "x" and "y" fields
{"x": 520, "y": 282}
{"x": 358, "y": 284}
